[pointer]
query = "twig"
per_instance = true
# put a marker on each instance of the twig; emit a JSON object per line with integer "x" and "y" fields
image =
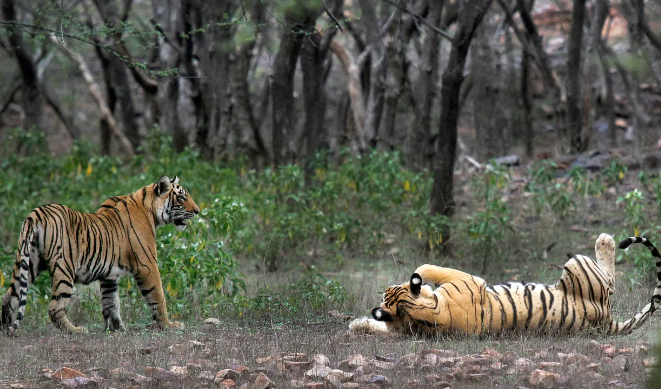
{"x": 421, "y": 19}
{"x": 279, "y": 302}
{"x": 328, "y": 12}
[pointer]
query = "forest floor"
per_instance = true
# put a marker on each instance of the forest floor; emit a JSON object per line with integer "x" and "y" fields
{"x": 320, "y": 354}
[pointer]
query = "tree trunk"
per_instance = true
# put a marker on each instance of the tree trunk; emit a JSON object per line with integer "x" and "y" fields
{"x": 425, "y": 88}
{"x": 108, "y": 9}
{"x": 378, "y": 68}
{"x": 487, "y": 107}
{"x": 442, "y": 201}
{"x": 298, "y": 22}
{"x": 32, "y": 98}
{"x": 577, "y": 140}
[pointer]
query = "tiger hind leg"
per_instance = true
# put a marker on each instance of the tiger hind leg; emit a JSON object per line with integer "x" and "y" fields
{"x": 604, "y": 249}
{"x": 62, "y": 286}
{"x": 25, "y": 271}
{"x": 112, "y": 320}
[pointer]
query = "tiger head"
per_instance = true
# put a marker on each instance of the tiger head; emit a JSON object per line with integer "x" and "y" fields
{"x": 404, "y": 306}
{"x": 172, "y": 204}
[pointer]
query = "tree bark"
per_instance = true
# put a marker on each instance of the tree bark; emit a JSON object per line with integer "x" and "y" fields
{"x": 109, "y": 11}
{"x": 442, "y": 200}
{"x": 378, "y": 68}
{"x": 425, "y": 88}
{"x": 32, "y": 98}
{"x": 487, "y": 105}
{"x": 298, "y": 22}
{"x": 577, "y": 139}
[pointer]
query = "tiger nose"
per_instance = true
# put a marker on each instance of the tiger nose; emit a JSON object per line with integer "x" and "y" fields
{"x": 196, "y": 210}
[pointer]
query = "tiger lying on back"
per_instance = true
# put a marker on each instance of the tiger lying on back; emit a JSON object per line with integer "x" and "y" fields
{"x": 78, "y": 247}
{"x": 462, "y": 303}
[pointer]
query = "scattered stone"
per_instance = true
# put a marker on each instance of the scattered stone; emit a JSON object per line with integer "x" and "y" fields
{"x": 260, "y": 381}
{"x": 592, "y": 367}
{"x": 315, "y": 385}
{"x": 227, "y": 374}
{"x": 491, "y": 353}
{"x": 213, "y": 321}
{"x": 643, "y": 348}
{"x": 182, "y": 348}
{"x": 440, "y": 353}
{"x": 266, "y": 360}
{"x": 383, "y": 365}
{"x": 625, "y": 351}
{"x": 80, "y": 382}
{"x": 352, "y": 362}
{"x": 181, "y": 371}
{"x": 227, "y": 384}
{"x": 65, "y": 373}
{"x": 373, "y": 379}
{"x": 318, "y": 372}
{"x": 408, "y": 360}
{"x": 524, "y": 363}
{"x": 509, "y": 357}
{"x": 594, "y": 347}
{"x": 542, "y": 379}
{"x": 121, "y": 374}
{"x": 550, "y": 366}
{"x": 620, "y": 362}
{"x": 651, "y": 361}
{"x": 320, "y": 359}
{"x": 608, "y": 350}
{"x": 573, "y": 358}
{"x": 206, "y": 375}
{"x": 160, "y": 374}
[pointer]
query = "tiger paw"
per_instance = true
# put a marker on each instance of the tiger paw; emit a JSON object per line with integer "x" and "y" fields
{"x": 77, "y": 330}
{"x": 605, "y": 244}
{"x": 175, "y": 325}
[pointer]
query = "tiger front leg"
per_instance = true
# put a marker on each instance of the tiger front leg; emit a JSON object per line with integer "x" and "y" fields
{"x": 112, "y": 320}
{"x": 438, "y": 275}
{"x": 149, "y": 282}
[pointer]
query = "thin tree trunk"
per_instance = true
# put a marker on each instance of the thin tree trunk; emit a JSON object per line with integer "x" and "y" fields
{"x": 299, "y": 21}
{"x": 442, "y": 200}
{"x": 578, "y": 142}
{"x": 32, "y": 98}
{"x": 425, "y": 88}
{"x": 378, "y": 68}
{"x": 108, "y": 9}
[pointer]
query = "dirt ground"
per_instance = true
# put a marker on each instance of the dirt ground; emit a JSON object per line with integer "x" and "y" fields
{"x": 321, "y": 354}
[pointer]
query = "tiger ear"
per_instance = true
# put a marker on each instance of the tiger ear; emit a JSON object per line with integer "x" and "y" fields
{"x": 163, "y": 186}
{"x": 381, "y": 315}
{"x": 175, "y": 180}
{"x": 416, "y": 284}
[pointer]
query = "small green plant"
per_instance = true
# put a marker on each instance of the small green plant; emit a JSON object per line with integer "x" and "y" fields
{"x": 487, "y": 227}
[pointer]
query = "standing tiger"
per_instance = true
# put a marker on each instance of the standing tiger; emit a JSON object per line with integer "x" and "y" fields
{"x": 462, "y": 303}
{"x": 76, "y": 247}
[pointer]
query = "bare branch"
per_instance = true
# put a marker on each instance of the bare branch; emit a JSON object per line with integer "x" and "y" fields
{"x": 421, "y": 19}
{"x": 96, "y": 93}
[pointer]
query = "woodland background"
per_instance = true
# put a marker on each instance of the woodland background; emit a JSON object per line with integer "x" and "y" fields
{"x": 339, "y": 144}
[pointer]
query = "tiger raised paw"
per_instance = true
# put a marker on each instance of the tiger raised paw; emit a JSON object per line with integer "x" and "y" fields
{"x": 75, "y": 247}
{"x": 457, "y": 302}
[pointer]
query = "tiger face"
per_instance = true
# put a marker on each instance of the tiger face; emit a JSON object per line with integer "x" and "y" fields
{"x": 172, "y": 204}
{"x": 398, "y": 301}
